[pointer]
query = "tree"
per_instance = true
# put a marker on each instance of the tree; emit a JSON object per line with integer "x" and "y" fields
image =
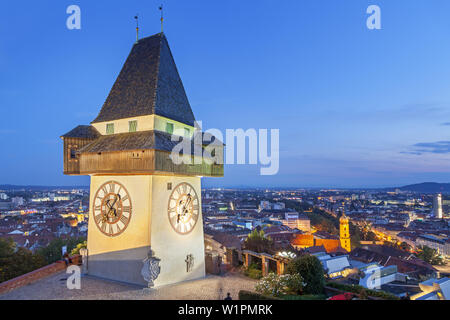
{"x": 258, "y": 242}
{"x": 7, "y": 247}
{"x": 76, "y": 250}
{"x": 53, "y": 252}
{"x": 275, "y": 285}
{"x": 327, "y": 226}
{"x": 430, "y": 255}
{"x": 15, "y": 261}
{"x": 311, "y": 271}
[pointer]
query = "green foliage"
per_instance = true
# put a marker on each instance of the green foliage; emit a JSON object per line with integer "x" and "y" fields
{"x": 53, "y": 252}
{"x": 248, "y": 295}
{"x": 7, "y": 247}
{"x": 363, "y": 294}
{"x": 292, "y": 283}
{"x": 430, "y": 256}
{"x": 362, "y": 291}
{"x": 15, "y": 261}
{"x": 327, "y": 226}
{"x": 254, "y": 271}
{"x": 81, "y": 245}
{"x": 275, "y": 285}
{"x": 258, "y": 242}
{"x": 311, "y": 271}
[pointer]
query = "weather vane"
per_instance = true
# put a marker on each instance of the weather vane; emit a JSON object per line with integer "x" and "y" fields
{"x": 137, "y": 27}
{"x": 162, "y": 18}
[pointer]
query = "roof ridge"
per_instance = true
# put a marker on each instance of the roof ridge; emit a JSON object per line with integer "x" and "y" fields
{"x": 158, "y": 65}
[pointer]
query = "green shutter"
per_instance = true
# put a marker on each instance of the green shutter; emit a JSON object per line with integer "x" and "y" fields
{"x": 187, "y": 132}
{"x": 110, "y": 128}
{"x": 132, "y": 125}
{"x": 169, "y": 128}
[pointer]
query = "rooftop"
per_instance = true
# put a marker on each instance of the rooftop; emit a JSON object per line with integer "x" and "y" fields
{"x": 82, "y": 131}
{"x": 148, "y": 83}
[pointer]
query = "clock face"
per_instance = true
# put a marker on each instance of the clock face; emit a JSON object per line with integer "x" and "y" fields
{"x": 112, "y": 208}
{"x": 183, "y": 208}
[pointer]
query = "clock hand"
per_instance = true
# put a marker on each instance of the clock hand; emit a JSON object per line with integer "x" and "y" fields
{"x": 105, "y": 215}
{"x": 186, "y": 205}
{"x": 179, "y": 214}
{"x": 111, "y": 208}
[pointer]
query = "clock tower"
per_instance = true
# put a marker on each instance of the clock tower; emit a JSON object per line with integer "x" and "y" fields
{"x": 344, "y": 232}
{"x": 145, "y": 215}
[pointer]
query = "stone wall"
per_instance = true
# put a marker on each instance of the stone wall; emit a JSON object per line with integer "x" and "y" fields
{"x": 35, "y": 275}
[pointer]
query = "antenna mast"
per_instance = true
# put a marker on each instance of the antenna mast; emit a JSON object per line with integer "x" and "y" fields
{"x": 162, "y": 17}
{"x": 137, "y": 27}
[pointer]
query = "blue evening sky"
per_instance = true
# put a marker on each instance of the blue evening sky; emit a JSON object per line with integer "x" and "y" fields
{"x": 355, "y": 107}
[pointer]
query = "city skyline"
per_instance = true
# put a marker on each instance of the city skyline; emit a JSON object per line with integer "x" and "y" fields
{"x": 355, "y": 107}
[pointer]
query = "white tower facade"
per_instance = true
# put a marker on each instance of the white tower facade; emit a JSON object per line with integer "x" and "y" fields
{"x": 437, "y": 206}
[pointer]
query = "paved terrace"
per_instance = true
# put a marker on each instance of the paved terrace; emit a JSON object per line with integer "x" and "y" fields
{"x": 54, "y": 288}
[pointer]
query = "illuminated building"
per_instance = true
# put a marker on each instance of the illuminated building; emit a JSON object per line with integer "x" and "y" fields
{"x": 52, "y": 198}
{"x": 303, "y": 241}
{"x": 439, "y": 243}
{"x": 344, "y": 233}
{"x": 335, "y": 267}
{"x": 437, "y": 206}
{"x": 264, "y": 205}
{"x": 73, "y": 222}
{"x": 18, "y": 201}
{"x": 294, "y": 220}
{"x": 434, "y": 289}
{"x": 330, "y": 245}
{"x": 374, "y": 276}
{"x": 80, "y": 217}
{"x": 80, "y": 209}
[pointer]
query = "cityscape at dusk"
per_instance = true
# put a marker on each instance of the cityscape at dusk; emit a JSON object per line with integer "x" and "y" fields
{"x": 355, "y": 107}
{"x": 239, "y": 150}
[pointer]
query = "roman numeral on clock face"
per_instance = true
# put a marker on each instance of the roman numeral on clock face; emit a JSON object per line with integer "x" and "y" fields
{"x": 98, "y": 219}
{"x": 103, "y": 225}
{"x": 126, "y": 209}
{"x": 124, "y": 219}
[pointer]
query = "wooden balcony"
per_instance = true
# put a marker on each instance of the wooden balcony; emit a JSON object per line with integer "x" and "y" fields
{"x": 142, "y": 162}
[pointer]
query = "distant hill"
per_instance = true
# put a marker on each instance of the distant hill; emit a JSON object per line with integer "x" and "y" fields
{"x": 428, "y": 187}
{"x": 39, "y": 188}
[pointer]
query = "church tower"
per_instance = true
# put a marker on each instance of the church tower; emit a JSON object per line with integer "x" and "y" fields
{"x": 145, "y": 214}
{"x": 344, "y": 233}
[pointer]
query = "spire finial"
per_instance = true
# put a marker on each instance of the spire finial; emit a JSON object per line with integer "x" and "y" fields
{"x": 137, "y": 27}
{"x": 162, "y": 17}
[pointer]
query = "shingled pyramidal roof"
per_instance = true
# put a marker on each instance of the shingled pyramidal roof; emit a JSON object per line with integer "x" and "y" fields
{"x": 148, "y": 83}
